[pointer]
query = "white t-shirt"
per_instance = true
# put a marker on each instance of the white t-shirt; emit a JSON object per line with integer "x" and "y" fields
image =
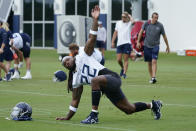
{"x": 101, "y": 34}
{"x": 17, "y": 41}
{"x": 86, "y": 69}
{"x": 96, "y": 54}
{"x": 124, "y": 32}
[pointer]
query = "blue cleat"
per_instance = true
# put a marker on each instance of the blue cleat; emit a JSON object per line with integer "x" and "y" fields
{"x": 121, "y": 72}
{"x": 124, "y": 76}
{"x": 8, "y": 77}
{"x": 156, "y": 109}
{"x": 91, "y": 119}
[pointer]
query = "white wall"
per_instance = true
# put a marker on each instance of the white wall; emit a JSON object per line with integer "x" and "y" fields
{"x": 179, "y": 20}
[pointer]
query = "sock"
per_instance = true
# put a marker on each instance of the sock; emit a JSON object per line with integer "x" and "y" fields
{"x": 140, "y": 106}
{"x": 96, "y": 94}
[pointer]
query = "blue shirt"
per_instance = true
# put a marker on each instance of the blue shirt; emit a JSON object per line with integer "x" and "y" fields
{"x": 3, "y": 36}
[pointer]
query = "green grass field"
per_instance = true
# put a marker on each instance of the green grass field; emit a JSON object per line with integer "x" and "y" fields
{"x": 176, "y": 87}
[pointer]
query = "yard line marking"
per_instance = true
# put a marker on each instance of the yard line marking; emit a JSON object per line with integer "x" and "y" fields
{"x": 82, "y": 125}
{"x": 170, "y": 87}
{"x": 182, "y": 105}
{"x": 33, "y": 93}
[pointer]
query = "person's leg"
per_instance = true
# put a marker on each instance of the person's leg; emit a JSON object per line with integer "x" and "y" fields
{"x": 96, "y": 84}
{"x": 119, "y": 60}
{"x": 128, "y": 108}
{"x": 150, "y": 68}
{"x": 155, "y": 53}
{"x": 154, "y": 68}
{"x": 102, "y": 51}
{"x": 126, "y": 62}
{"x": 28, "y": 63}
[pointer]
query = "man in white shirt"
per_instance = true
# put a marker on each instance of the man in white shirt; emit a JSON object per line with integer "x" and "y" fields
{"x": 101, "y": 38}
{"x": 87, "y": 70}
{"x": 123, "y": 31}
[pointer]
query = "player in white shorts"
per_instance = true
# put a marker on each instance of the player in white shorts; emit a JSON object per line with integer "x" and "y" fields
{"x": 86, "y": 70}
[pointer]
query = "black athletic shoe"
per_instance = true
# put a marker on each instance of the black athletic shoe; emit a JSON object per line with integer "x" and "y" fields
{"x": 8, "y": 77}
{"x": 124, "y": 76}
{"x": 91, "y": 119}
{"x": 153, "y": 81}
{"x": 121, "y": 72}
{"x": 156, "y": 109}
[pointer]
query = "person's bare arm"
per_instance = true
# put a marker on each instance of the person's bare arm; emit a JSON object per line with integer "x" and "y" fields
{"x": 2, "y": 47}
{"x": 131, "y": 19}
{"x": 114, "y": 38}
{"x": 89, "y": 47}
{"x": 167, "y": 44}
{"x": 139, "y": 38}
{"x": 76, "y": 95}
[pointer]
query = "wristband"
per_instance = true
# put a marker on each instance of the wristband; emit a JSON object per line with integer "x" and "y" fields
{"x": 93, "y": 32}
{"x": 72, "y": 108}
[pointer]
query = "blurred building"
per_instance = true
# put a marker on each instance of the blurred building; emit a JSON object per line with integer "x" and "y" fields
{"x": 38, "y": 17}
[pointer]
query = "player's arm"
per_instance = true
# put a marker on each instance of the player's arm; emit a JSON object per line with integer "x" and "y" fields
{"x": 166, "y": 42}
{"x": 89, "y": 47}
{"x": 4, "y": 37}
{"x": 139, "y": 38}
{"x": 76, "y": 95}
{"x": 2, "y": 47}
{"x": 131, "y": 19}
{"x": 114, "y": 38}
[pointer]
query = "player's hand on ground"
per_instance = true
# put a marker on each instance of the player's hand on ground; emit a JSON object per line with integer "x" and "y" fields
{"x": 95, "y": 12}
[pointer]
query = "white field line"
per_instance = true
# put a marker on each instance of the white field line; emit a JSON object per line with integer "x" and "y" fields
{"x": 43, "y": 94}
{"x": 84, "y": 125}
{"x": 154, "y": 86}
{"x": 79, "y": 125}
{"x": 28, "y": 92}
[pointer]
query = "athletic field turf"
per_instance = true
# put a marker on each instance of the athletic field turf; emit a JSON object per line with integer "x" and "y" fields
{"x": 176, "y": 87}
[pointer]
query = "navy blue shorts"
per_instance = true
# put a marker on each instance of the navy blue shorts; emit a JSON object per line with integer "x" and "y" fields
{"x": 8, "y": 55}
{"x": 124, "y": 49}
{"x": 100, "y": 44}
{"x": 26, "y": 45}
{"x": 26, "y": 51}
{"x": 151, "y": 53}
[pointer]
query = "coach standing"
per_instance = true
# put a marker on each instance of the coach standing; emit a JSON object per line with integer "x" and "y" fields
{"x": 153, "y": 29}
{"x": 123, "y": 31}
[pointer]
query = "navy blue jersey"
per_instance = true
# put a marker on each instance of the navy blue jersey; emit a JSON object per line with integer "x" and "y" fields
{"x": 3, "y": 36}
{"x": 9, "y": 34}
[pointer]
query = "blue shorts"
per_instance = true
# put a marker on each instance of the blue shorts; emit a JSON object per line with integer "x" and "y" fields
{"x": 26, "y": 45}
{"x": 100, "y": 44}
{"x": 26, "y": 51}
{"x": 124, "y": 49}
{"x": 151, "y": 53}
{"x": 8, "y": 55}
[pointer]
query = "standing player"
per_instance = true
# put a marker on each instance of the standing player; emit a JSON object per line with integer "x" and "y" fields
{"x": 154, "y": 30}
{"x": 123, "y": 31}
{"x": 20, "y": 42}
{"x": 86, "y": 70}
{"x": 3, "y": 44}
{"x": 101, "y": 38}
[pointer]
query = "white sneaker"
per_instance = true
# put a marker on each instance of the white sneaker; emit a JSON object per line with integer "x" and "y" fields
{"x": 20, "y": 65}
{"x": 16, "y": 75}
{"x": 27, "y": 76}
